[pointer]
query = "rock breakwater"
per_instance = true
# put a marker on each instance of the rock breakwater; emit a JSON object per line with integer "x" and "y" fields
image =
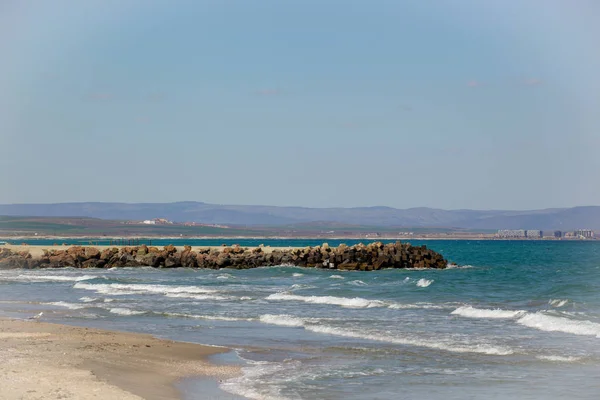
{"x": 360, "y": 257}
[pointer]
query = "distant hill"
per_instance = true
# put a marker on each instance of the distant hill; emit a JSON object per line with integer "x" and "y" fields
{"x": 548, "y": 219}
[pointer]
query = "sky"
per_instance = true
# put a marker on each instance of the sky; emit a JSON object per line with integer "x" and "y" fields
{"x": 319, "y": 103}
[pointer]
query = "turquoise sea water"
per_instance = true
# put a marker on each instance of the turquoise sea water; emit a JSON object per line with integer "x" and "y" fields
{"x": 517, "y": 320}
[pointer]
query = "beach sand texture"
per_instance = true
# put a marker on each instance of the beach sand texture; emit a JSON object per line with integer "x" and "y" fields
{"x": 49, "y": 361}
{"x": 37, "y": 251}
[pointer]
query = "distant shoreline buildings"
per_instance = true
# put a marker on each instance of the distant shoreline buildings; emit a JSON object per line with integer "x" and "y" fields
{"x": 538, "y": 234}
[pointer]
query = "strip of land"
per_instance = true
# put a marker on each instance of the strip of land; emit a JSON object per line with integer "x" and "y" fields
{"x": 50, "y": 361}
{"x": 372, "y": 256}
{"x": 37, "y": 251}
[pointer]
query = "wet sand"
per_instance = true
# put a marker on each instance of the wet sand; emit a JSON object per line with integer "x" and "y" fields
{"x": 43, "y": 361}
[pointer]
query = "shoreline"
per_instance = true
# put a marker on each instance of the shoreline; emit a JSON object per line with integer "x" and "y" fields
{"x": 8, "y": 239}
{"x": 47, "y": 360}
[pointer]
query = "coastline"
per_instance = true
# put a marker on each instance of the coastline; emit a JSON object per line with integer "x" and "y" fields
{"x": 320, "y": 238}
{"x": 45, "y": 360}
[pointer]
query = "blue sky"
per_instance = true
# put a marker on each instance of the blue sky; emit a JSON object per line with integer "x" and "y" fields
{"x": 450, "y": 104}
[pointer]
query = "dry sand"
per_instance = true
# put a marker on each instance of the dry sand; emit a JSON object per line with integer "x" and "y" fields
{"x": 49, "y": 361}
{"x": 37, "y": 251}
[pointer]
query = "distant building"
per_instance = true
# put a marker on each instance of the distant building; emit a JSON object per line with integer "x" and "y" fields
{"x": 584, "y": 233}
{"x": 557, "y": 234}
{"x": 149, "y": 222}
{"x": 512, "y": 234}
{"x": 534, "y": 234}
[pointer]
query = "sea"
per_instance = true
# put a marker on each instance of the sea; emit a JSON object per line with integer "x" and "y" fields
{"x": 514, "y": 320}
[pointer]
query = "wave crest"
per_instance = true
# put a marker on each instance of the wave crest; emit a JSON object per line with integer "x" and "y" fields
{"x": 549, "y": 323}
{"x": 356, "y": 302}
{"x": 472, "y": 312}
{"x": 424, "y": 282}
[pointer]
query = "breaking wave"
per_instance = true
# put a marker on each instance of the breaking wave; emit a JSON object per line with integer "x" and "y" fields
{"x": 123, "y": 289}
{"x": 456, "y": 348}
{"x": 125, "y": 311}
{"x": 199, "y": 296}
{"x": 282, "y": 320}
{"x": 207, "y": 317}
{"x": 424, "y": 282}
{"x": 50, "y": 278}
{"x": 472, "y": 312}
{"x": 357, "y": 282}
{"x": 558, "y": 302}
{"x": 549, "y": 323}
{"x": 71, "y": 306}
{"x": 559, "y": 358}
{"x": 356, "y": 302}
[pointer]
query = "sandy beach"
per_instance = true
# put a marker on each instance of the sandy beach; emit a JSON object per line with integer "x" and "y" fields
{"x": 38, "y": 251}
{"x": 50, "y": 361}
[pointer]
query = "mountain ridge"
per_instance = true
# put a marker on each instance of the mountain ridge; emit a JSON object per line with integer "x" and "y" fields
{"x": 580, "y": 217}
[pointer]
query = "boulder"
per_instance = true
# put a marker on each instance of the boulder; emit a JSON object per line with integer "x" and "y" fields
{"x": 92, "y": 252}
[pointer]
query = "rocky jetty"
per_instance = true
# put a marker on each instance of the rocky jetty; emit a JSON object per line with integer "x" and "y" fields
{"x": 361, "y": 257}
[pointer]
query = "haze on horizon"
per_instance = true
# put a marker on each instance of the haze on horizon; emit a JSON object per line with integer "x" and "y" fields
{"x": 330, "y": 103}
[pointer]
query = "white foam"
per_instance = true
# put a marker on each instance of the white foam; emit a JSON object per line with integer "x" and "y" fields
{"x": 71, "y": 306}
{"x": 282, "y": 320}
{"x": 122, "y": 289}
{"x": 336, "y": 277}
{"x": 557, "y": 324}
{"x": 424, "y": 282}
{"x": 438, "y": 345}
{"x": 208, "y": 317}
{"x": 558, "y": 302}
{"x": 258, "y": 380}
{"x": 54, "y": 278}
{"x": 472, "y": 312}
{"x": 198, "y": 296}
{"x": 125, "y": 311}
{"x": 455, "y": 266}
{"x": 86, "y": 299}
{"x": 225, "y": 276}
{"x": 356, "y": 302}
{"x": 297, "y": 275}
{"x": 357, "y": 282}
{"x": 559, "y": 358}
{"x": 398, "y": 306}
{"x": 299, "y": 286}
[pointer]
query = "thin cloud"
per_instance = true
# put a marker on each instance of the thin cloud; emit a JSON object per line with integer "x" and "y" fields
{"x": 474, "y": 83}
